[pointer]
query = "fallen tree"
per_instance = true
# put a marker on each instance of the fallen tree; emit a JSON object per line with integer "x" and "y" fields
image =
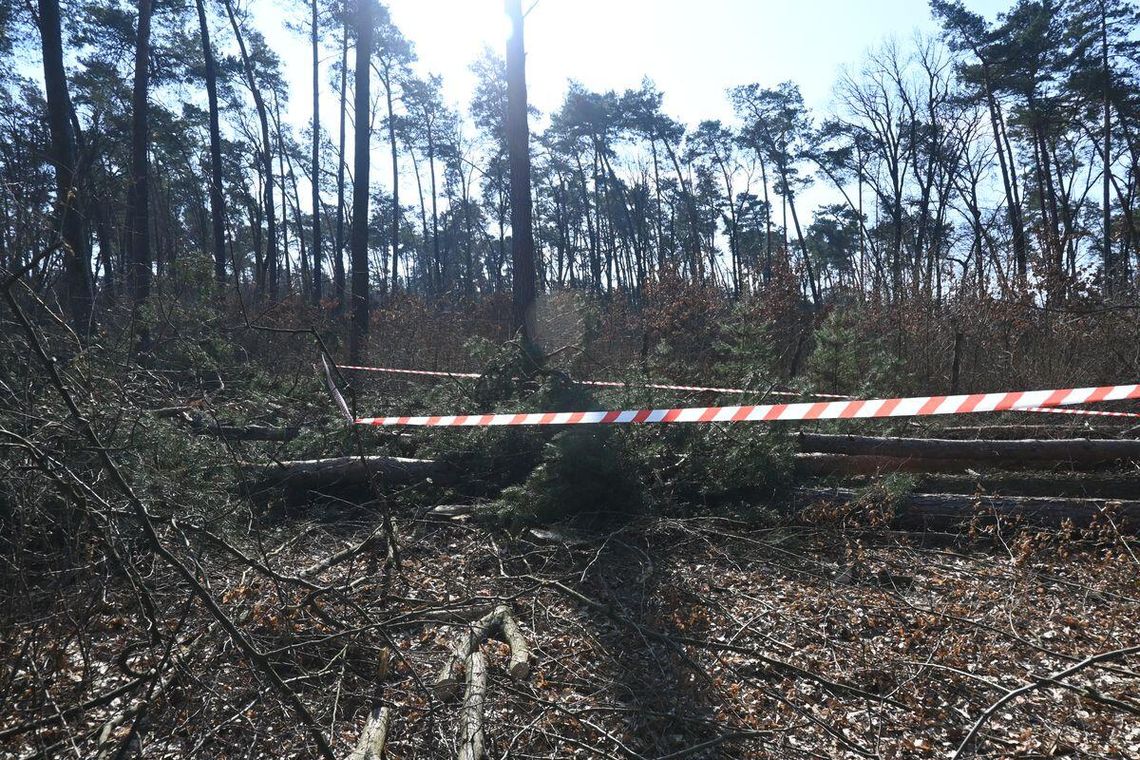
{"x": 1076, "y": 451}
{"x": 941, "y": 511}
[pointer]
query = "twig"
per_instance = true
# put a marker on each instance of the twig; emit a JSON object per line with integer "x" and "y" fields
{"x": 1036, "y": 684}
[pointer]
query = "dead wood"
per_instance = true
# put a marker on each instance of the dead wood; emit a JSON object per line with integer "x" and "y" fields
{"x": 1054, "y": 678}
{"x": 315, "y": 476}
{"x": 202, "y": 424}
{"x": 374, "y": 736}
{"x": 471, "y": 716}
{"x": 941, "y": 511}
{"x": 808, "y": 465}
{"x": 499, "y": 623}
{"x": 1091, "y": 485}
{"x": 1072, "y": 451}
{"x": 1104, "y": 428}
{"x": 245, "y": 432}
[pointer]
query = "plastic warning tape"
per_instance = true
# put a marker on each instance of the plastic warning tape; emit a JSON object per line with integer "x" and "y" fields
{"x": 920, "y": 406}
{"x": 601, "y": 383}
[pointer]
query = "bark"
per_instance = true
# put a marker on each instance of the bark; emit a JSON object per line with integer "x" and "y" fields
{"x": 1008, "y": 177}
{"x": 217, "y": 204}
{"x": 138, "y": 213}
{"x": 810, "y": 270}
{"x": 498, "y": 623}
{"x": 438, "y": 262}
{"x": 388, "y": 85}
{"x": 1014, "y": 432}
{"x": 518, "y": 153}
{"x": 374, "y": 736}
{"x": 471, "y": 737}
{"x": 1080, "y": 451}
{"x": 338, "y": 254}
{"x": 62, "y": 154}
{"x": 315, "y": 476}
{"x": 1106, "y": 485}
{"x": 941, "y": 511}
{"x": 244, "y": 432}
{"x": 362, "y": 148}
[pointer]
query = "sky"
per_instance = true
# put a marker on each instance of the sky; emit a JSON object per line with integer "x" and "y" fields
{"x": 693, "y": 49}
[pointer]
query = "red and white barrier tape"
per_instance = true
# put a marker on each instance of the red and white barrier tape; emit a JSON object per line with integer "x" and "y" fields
{"x": 602, "y": 383}
{"x": 1086, "y": 412}
{"x": 919, "y": 406}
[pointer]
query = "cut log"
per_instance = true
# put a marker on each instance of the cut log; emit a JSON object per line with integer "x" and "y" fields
{"x": 813, "y": 465}
{"x": 245, "y": 432}
{"x": 450, "y": 511}
{"x": 471, "y": 716}
{"x": 374, "y": 736}
{"x": 1071, "y": 451}
{"x": 499, "y": 623}
{"x": 942, "y": 511}
{"x": 519, "y": 667}
{"x": 304, "y": 478}
{"x": 201, "y": 424}
{"x": 809, "y": 465}
{"x": 1104, "y": 428}
{"x": 1089, "y": 485}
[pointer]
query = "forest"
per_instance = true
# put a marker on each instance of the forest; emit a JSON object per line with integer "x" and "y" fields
{"x": 329, "y": 413}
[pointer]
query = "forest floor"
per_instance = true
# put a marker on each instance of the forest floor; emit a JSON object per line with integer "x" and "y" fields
{"x": 659, "y": 638}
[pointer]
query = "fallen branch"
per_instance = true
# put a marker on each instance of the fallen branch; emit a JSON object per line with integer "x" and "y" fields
{"x": 471, "y": 716}
{"x": 374, "y": 736}
{"x": 1038, "y": 683}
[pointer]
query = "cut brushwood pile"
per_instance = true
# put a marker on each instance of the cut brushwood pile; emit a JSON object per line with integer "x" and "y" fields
{"x": 656, "y": 638}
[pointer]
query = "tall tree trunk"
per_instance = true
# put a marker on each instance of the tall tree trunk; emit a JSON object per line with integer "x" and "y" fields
{"x": 217, "y": 204}
{"x": 362, "y": 148}
{"x": 437, "y": 262}
{"x": 691, "y": 208}
{"x": 1112, "y": 275}
{"x": 812, "y": 284}
{"x": 318, "y": 264}
{"x": 266, "y": 158}
{"x": 338, "y": 254}
{"x": 1009, "y": 180}
{"x": 138, "y": 212}
{"x": 388, "y": 84}
{"x": 767, "y": 220}
{"x": 518, "y": 153}
{"x": 286, "y": 259}
{"x": 77, "y": 264}
{"x": 657, "y": 198}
